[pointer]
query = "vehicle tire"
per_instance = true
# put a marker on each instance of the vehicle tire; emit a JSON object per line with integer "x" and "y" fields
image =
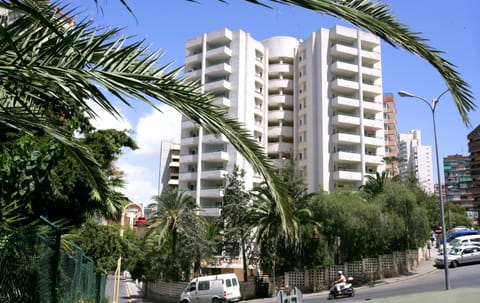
{"x": 185, "y": 301}
{"x": 352, "y": 294}
{"x": 215, "y": 300}
{"x": 454, "y": 264}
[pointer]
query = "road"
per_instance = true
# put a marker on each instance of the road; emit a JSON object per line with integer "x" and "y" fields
{"x": 460, "y": 277}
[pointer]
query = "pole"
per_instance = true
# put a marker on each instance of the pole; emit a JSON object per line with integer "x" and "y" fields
{"x": 442, "y": 211}
{"x": 432, "y": 106}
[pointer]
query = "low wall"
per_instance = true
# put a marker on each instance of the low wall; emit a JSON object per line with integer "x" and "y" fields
{"x": 364, "y": 271}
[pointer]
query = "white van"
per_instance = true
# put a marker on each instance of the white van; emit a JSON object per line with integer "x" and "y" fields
{"x": 212, "y": 289}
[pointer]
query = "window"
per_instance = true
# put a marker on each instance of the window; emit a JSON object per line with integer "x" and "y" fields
{"x": 203, "y": 285}
{"x": 228, "y": 283}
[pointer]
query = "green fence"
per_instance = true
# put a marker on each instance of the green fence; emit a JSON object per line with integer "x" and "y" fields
{"x": 65, "y": 274}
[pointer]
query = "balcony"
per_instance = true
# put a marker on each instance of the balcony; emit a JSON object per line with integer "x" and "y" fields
{"x": 346, "y": 138}
{"x": 212, "y": 139}
{"x": 193, "y": 74}
{"x": 374, "y": 124}
{"x": 276, "y": 115}
{"x": 215, "y": 156}
{"x": 188, "y": 141}
{"x": 188, "y": 158}
{"x": 344, "y": 86}
{"x": 374, "y": 107}
{"x": 371, "y": 73}
{"x": 214, "y": 174}
{"x": 211, "y": 192}
{"x": 372, "y": 89}
{"x": 343, "y": 51}
{"x": 219, "y": 53}
{"x": 188, "y": 176}
{"x": 350, "y": 175}
{"x": 370, "y": 57}
{"x": 343, "y": 68}
{"x": 222, "y": 102}
{"x": 284, "y": 131}
{"x": 188, "y": 124}
{"x": 346, "y": 120}
{"x": 222, "y": 36}
{"x": 195, "y": 59}
{"x": 276, "y": 100}
{"x": 221, "y": 69}
{"x": 374, "y": 160}
{"x": 275, "y": 84}
{"x": 285, "y": 69}
{"x": 342, "y": 156}
{"x": 280, "y": 147}
{"x": 344, "y": 102}
{"x": 219, "y": 85}
{"x": 373, "y": 141}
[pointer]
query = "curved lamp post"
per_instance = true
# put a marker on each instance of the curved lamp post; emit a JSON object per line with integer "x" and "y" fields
{"x": 432, "y": 106}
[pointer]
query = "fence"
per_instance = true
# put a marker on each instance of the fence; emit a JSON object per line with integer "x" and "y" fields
{"x": 65, "y": 275}
{"x": 363, "y": 271}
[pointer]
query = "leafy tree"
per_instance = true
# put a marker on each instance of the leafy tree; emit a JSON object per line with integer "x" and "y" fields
{"x": 234, "y": 218}
{"x": 103, "y": 244}
{"x": 375, "y": 185}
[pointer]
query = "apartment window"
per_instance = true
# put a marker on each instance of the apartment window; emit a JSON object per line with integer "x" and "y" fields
{"x": 300, "y": 138}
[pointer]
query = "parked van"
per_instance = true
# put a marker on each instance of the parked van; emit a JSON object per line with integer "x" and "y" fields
{"x": 212, "y": 289}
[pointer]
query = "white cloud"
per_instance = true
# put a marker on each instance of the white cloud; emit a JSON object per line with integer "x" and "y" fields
{"x": 156, "y": 126}
{"x": 105, "y": 120}
{"x": 141, "y": 182}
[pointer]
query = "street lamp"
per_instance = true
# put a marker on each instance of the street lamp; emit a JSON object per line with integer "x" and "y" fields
{"x": 432, "y": 106}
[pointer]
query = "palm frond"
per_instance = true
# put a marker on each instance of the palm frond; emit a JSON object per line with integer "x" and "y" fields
{"x": 375, "y": 17}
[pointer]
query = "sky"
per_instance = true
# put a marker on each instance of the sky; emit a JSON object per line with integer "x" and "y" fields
{"x": 449, "y": 26}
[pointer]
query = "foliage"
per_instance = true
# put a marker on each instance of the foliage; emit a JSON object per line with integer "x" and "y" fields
{"x": 234, "y": 219}
{"x": 104, "y": 245}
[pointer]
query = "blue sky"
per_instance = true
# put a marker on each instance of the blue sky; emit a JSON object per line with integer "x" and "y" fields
{"x": 449, "y": 26}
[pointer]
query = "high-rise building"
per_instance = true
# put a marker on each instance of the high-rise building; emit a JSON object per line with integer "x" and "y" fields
{"x": 416, "y": 159}
{"x": 474, "y": 150}
{"x": 318, "y": 100}
{"x": 391, "y": 135}
{"x": 458, "y": 180}
{"x": 169, "y": 165}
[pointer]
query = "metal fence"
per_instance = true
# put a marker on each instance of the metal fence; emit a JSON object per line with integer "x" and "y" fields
{"x": 65, "y": 274}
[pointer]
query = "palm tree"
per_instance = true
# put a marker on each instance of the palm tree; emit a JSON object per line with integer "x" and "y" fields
{"x": 375, "y": 185}
{"x": 46, "y": 59}
{"x": 173, "y": 210}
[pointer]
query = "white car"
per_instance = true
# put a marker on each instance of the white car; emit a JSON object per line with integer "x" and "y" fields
{"x": 460, "y": 255}
{"x": 462, "y": 241}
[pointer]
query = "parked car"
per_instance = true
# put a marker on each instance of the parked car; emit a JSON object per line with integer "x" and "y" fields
{"x": 212, "y": 289}
{"x": 462, "y": 241}
{"x": 459, "y": 233}
{"x": 459, "y": 256}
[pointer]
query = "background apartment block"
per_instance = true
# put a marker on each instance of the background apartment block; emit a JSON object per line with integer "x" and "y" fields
{"x": 416, "y": 160}
{"x": 169, "y": 165}
{"x": 458, "y": 180}
{"x": 474, "y": 150}
{"x": 318, "y": 100}
{"x": 391, "y": 134}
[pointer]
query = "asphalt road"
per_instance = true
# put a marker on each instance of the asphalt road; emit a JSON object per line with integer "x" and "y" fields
{"x": 460, "y": 277}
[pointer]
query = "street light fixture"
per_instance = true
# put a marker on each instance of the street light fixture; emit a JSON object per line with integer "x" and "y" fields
{"x": 432, "y": 106}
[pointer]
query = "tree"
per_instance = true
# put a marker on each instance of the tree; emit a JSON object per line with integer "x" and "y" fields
{"x": 45, "y": 58}
{"x": 234, "y": 218}
{"x": 375, "y": 185}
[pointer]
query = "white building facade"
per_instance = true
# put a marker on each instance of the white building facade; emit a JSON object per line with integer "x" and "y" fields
{"x": 319, "y": 101}
{"x": 416, "y": 159}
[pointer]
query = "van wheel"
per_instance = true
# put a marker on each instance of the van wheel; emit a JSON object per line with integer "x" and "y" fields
{"x": 185, "y": 301}
{"x": 215, "y": 300}
{"x": 454, "y": 264}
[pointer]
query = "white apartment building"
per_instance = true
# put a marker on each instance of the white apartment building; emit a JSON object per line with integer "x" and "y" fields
{"x": 169, "y": 165}
{"x": 318, "y": 100}
{"x": 416, "y": 159}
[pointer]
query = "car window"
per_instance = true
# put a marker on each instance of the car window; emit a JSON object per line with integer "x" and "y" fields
{"x": 456, "y": 251}
{"x": 467, "y": 251}
{"x": 228, "y": 283}
{"x": 191, "y": 287}
{"x": 204, "y": 285}
{"x": 234, "y": 282}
